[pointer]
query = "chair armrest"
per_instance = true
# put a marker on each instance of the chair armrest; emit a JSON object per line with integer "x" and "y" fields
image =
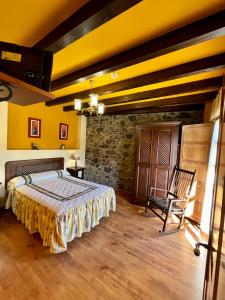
{"x": 178, "y": 200}
{"x": 172, "y": 194}
{"x": 149, "y": 190}
{"x": 155, "y": 188}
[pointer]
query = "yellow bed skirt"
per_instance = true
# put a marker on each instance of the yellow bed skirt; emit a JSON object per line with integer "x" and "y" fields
{"x": 57, "y": 231}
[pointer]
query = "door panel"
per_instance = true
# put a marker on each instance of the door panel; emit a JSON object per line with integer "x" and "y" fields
{"x": 221, "y": 280}
{"x": 220, "y": 215}
{"x": 198, "y": 132}
{"x": 143, "y": 161}
{"x": 195, "y": 149}
{"x": 195, "y": 205}
{"x": 200, "y": 168}
{"x": 163, "y": 147}
{"x": 162, "y": 176}
{"x": 156, "y": 156}
{"x": 217, "y": 256}
{"x": 196, "y": 152}
{"x": 165, "y": 154}
{"x": 145, "y": 145}
{"x": 143, "y": 179}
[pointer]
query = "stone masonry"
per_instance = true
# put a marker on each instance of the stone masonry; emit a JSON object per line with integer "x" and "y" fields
{"x": 110, "y": 145}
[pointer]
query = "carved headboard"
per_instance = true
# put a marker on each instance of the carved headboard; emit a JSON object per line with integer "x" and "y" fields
{"x": 23, "y": 167}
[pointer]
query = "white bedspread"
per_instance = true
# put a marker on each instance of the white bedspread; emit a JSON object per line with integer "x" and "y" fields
{"x": 58, "y": 194}
{"x": 58, "y": 206}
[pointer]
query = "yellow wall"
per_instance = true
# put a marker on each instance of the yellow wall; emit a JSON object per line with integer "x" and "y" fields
{"x": 50, "y": 117}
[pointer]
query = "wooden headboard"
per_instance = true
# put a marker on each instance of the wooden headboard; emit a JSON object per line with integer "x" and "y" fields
{"x": 23, "y": 167}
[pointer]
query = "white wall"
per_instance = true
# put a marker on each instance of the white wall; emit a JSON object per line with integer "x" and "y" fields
{"x": 10, "y": 155}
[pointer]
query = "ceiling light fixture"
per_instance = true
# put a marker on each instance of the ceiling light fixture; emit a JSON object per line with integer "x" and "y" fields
{"x": 114, "y": 75}
{"x": 94, "y": 108}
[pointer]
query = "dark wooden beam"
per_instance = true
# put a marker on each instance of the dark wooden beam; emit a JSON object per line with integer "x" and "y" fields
{"x": 200, "y": 85}
{"x": 189, "y": 87}
{"x": 192, "y": 100}
{"x": 90, "y": 16}
{"x": 158, "y": 109}
{"x": 194, "y": 33}
{"x": 195, "y": 67}
{"x": 180, "y": 100}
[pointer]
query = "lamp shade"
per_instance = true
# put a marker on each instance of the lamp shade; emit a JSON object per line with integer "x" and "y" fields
{"x": 77, "y": 104}
{"x": 101, "y": 108}
{"x": 75, "y": 157}
{"x": 93, "y": 100}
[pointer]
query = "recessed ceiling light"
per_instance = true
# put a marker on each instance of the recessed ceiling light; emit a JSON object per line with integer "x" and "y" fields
{"x": 114, "y": 75}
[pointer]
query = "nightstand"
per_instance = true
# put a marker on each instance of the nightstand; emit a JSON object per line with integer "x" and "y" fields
{"x": 76, "y": 172}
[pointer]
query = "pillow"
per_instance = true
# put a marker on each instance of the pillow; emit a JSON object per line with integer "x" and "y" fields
{"x": 34, "y": 177}
{"x": 31, "y": 178}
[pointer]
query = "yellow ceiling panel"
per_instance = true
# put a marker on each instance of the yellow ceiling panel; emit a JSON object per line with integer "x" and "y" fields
{"x": 189, "y": 54}
{"x": 142, "y": 22}
{"x": 25, "y": 22}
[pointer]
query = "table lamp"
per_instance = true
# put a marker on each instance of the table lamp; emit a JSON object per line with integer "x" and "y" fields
{"x": 76, "y": 157}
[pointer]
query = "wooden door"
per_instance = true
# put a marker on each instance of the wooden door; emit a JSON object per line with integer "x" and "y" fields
{"x": 214, "y": 283}
{"x": 194, "y": 155}
{"x": 164, "y": 155}
{"x": 145, "y": 137}
{"x": 156, "y": 156}
{"x": 217, "y": 254}
{"x": 220, "y": 267}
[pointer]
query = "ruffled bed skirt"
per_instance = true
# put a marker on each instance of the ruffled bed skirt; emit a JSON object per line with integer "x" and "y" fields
{"x": 57, "y": 231}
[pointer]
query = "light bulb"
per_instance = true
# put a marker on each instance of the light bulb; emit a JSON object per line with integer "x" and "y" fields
{"x": 114, "y": 75}
{"x": 101, "y": 107}
{"x": 94, "y": 100}
{"x": 77, "y": 104}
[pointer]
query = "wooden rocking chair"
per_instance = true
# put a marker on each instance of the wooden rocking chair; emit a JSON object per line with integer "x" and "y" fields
{"x": 176, "y": 197}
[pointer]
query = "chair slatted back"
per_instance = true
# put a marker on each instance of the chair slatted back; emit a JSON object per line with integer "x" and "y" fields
{"x": 181, "y": 183}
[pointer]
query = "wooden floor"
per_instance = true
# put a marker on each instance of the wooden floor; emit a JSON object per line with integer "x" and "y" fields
{"x": 122, "y": 258}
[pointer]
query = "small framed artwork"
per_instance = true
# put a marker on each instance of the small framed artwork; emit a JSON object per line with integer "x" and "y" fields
{"x": 34, "y": 128}
{"x": 63, "y": 131}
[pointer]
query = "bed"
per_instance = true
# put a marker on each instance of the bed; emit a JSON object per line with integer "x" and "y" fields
{"x": 46, "y": 199}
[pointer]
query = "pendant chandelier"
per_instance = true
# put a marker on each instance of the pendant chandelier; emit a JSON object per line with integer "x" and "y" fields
{"x": 94, "y": 108}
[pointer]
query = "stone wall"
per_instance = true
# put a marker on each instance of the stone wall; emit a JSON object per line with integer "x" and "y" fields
{"x": 110, "y": 145}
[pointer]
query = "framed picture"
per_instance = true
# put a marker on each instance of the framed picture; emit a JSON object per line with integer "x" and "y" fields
{"x": 63, "y": 131}
{"x": 34, "y": 128}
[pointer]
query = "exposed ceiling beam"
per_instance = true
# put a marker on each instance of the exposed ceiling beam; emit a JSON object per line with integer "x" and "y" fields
{"x": 90, "y": 16}
{"x": 194, "y": 33}
{"x": 158, "y": 109}
{"x": 172, "y": 102}
{"x": 180, "y": 100}
{"x": 200, "y": 85}
{"x": 195, "y": 67}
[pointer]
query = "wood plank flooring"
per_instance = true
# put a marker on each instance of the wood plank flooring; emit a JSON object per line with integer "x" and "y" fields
{"x": 122, "y": 258}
